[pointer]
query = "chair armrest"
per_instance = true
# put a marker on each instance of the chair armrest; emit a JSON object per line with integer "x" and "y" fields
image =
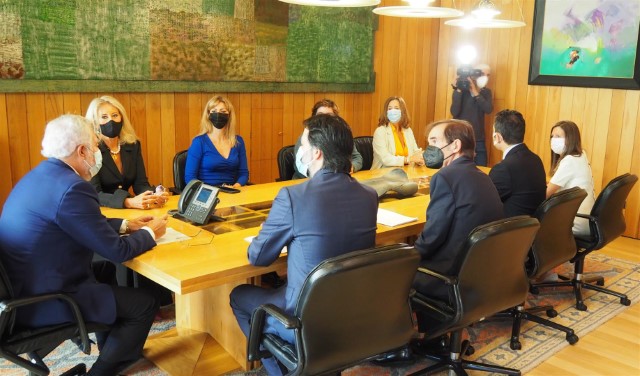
{"x": 446, "y": 279}
{"x": 257, "y": 327}
{"x": 7, "y": 306}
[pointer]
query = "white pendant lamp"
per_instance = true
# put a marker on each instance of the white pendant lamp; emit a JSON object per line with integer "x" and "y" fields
{"x": 482, "y": 16}
{"x": 334, "y": 3}
{"x": 418, "y": 9}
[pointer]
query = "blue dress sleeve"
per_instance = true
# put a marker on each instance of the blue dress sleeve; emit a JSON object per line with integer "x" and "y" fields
{"x": 243, "y": 168}
{"x": 194, "y": 158}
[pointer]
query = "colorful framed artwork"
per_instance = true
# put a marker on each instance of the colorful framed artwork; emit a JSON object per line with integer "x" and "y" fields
{"x": 586, "y": 43}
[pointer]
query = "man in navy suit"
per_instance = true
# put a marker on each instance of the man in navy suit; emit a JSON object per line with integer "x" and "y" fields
{"x": 462, "y": 198}
{"x": 519, "y": 177}
{"x": 326, "y": 216}
{"x": 49, "y": 229}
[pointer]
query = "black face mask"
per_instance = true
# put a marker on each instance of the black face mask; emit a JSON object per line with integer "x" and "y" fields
{"x": 434, "y": 157}
{"x": 111, "y": 129}
{"x": 219, "y": 119}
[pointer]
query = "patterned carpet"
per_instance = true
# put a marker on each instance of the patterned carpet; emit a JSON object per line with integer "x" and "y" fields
{"x": 490, "y": 339}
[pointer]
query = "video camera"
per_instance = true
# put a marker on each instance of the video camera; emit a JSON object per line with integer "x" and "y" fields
{"x": 464, "y": 72}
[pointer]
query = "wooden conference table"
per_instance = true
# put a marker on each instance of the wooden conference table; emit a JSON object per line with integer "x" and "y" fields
{"x": 203, "y": 270}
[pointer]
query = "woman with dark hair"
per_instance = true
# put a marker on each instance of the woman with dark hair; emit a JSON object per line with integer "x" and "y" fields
{"x": 393, "y": 142}
{"x": 570, "y": 168}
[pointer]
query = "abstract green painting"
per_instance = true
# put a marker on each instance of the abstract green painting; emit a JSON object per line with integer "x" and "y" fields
{"x": 183, "y": 45}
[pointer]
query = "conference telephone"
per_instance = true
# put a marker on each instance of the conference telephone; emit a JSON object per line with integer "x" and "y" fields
{"x": 198, "y": 201}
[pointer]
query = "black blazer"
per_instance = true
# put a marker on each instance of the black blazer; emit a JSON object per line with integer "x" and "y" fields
{"x": 111, "y": 185}
{"x": 520, "y": 180}
{"x": 462, "y": 197}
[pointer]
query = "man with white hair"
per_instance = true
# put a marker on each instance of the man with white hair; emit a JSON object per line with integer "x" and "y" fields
{"x": 472, "y": 105}
{"x": 50, "y": 227}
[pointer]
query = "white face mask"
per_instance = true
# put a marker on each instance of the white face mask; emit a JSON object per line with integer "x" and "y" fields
{"x": 93, "y": 170}
{"x": 394, "y": 115}
{"x": 482, "y": 81}
{"x": 303, "y": 167}
{"x": 557, "y": 145}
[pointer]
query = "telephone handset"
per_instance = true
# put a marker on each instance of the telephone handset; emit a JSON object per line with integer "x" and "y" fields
{"x": 198, "y": 201}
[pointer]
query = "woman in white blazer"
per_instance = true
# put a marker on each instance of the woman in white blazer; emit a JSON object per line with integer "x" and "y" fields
{"x": 393, "y": 142}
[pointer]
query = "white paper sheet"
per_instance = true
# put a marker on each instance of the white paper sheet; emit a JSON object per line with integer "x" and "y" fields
{"x": 391, "y": 219}
{"x": 171, "y": 236}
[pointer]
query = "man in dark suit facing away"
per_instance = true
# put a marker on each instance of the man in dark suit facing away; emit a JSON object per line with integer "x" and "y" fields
{"x": 50, "y": 227}
{"x": 519, "y": 177}
{"x": 328, "y": 215}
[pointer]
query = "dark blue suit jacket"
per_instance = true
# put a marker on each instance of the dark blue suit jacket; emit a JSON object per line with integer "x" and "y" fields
{"x": 462, "y": 198}
{"x": 326, "y": 216}
{"x": 520, "y": 180}
{"x": 49, "y": 229}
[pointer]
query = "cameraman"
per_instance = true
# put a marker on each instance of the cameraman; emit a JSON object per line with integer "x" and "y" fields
{"x": 472, "y": 104}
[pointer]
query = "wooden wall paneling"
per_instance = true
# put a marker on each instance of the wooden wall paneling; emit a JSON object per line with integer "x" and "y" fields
{"x": 248, "y": 132}
{"x": 167, "y": 130}
{"x": 195, "y": 113}
{"x": 598, "y": 139}
{"x": 8, "y": 180}
{"x": 138, "y": 119}
{"x": 633, "y": 202}
{"x": 428, "y": 76}
{"x": 630, "y": 131}
{"x": 36, "y": 122}
{"x": 181, "y": 121}
{"x": 85, "y": 99}
{"x": 19, "y": 144}
{"x": 288, "y": 133}
{"x": 566, "y": 103}
{"x": 71, "y": 104}
{"x": 611, "y": 143}
{"x": 153, "y": 151}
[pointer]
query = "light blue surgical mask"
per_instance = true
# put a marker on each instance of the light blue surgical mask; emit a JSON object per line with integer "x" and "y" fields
{"x": 394, "y": 115}
{"x": 93, "y": 170}
{"x": 303, "y": 167}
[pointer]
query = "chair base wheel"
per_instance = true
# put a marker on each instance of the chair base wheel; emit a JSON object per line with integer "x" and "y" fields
{"x": 469, "y": 351}
{"x": 600, "y": 282}
{"x": 534, "y": 290}
{"x": 625, "y": 301}
{"x": 515, "y": 345}
{"x": 552, "y": 313}
{"x": 581, "y": 306}
{"x": 572, "y": 339}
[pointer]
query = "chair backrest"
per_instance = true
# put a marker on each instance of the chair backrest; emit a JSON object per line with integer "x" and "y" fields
{"x": 609, "y": 209}
{"x": 492, "y": 275}
{"x": 554, "y": 243}
{"x": 355, "y": 306}
{"x": 364, "y": 145}
{"x": 286, "y": 160}
{"x": 6, "y": 293}
{"x": 179, "y": 161}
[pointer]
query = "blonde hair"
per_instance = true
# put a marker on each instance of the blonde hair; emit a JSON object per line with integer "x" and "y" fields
{"x": 127, "y": 134}
{"x": 207, "y": 127}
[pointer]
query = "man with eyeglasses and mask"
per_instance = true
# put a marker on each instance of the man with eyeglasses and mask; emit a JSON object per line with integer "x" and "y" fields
{"x": 472, "y": 103}
{"x": 50, "y": 227}
{"x": 461, "y": 198}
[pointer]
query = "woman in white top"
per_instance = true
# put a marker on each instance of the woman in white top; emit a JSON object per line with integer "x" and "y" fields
{"x": 393, "y": 140}
{"x": 570, "y": 168}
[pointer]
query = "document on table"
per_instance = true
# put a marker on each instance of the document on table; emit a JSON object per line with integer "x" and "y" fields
{"x": 391, "y": 219}
{"x": 171, "y": 236}
{"x": 249, "y": 239}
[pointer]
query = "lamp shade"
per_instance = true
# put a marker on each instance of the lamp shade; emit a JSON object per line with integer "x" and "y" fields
{"x": 418, "y": 12}
{"x": 334, "y": 3}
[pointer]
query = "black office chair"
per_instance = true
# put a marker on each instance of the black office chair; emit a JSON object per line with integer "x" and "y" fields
{"x": 364, "y": 145}
{"x": 36, "y": 343}
{"x": 606, "y": 223}
{"x": 179, "y": 161}
{"x": 491, "y": 278}
{"x": 351, "y": 308}
{"x": 553, "y": 246}
{"x": 286, "y": 160}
